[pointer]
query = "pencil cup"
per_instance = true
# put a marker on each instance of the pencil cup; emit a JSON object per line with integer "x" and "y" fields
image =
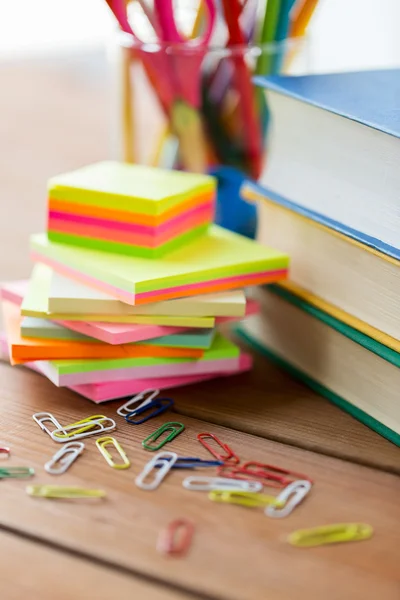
{"x": 197, "y": 109}
{"x": 194, "y": 108}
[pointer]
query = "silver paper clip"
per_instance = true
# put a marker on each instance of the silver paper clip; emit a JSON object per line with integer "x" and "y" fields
{"x": 44, "y": 417}
{"x": 166, "y": 459}
{"x": 206, "y": 484}
{"x": 84, "y": 428}
{"x": 64, "y": 457}
{"x": 291, "y": 495}
{"x": 130, "y": 406}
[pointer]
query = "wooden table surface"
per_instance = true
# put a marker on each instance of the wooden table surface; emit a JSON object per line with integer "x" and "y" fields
{"x": 57, "y": 118}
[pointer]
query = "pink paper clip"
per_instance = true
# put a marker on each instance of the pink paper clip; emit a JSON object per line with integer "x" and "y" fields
{"x": 176, "y": 538}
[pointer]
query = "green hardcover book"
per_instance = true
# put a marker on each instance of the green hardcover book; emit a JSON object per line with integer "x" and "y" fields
{"x": 357, "y": 373}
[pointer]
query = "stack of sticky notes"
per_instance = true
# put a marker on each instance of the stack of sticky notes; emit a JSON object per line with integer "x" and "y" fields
{"x": 129, "y": 209}
{"x": 100, "y": 316}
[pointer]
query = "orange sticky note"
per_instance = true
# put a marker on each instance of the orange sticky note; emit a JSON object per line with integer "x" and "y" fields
{"x": 29, "y": 349}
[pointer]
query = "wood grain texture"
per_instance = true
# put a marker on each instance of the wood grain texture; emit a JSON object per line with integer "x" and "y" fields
{"x": 243, "y": 553}
{"x": 32, "y": 570}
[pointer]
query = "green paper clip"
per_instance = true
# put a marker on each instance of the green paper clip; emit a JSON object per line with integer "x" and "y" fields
{"x": 16, "y": 472}
{"x": 174, "y": 428}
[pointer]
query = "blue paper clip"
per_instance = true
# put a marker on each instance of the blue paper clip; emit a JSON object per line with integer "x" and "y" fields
{"x": 188, "y": 462}
{"x": 160, "y": 405}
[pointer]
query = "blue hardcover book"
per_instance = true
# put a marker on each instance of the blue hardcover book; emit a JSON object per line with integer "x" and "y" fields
{"x": 334, "y": 152}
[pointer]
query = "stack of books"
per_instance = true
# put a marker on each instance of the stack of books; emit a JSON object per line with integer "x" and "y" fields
{"x": 330, "y": 197}
{"x": 130, "y": 282}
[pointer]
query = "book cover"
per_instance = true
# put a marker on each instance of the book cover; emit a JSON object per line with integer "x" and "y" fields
{"x": 367, "y": 97}
{"x": 253, "y": 192}
{"x": 372, "y": 345}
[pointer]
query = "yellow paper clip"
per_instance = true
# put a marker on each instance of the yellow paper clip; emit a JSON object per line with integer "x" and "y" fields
{"x": 106, "y": 441}
{"x": 80, "y": 429}
{"x": 251, "y": 499}
{"x": 330, "y": 534}
{"x": 57, "y": 491}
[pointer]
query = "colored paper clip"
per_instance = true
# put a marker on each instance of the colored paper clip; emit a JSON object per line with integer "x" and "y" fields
{"x": 269, "y": 478}
{"x": 166, "y": 459}
{"x": 229, "y": 456}
{"x": 57, "y": 491}
{"x": 234, "y": 472}
{"x": 141, "y": 398}
{"x": 102, "y": 442}
{"x": 160, "y": 405}
{"x": 292, "y": 495}
{"x": 5, "y": 452}
{"x": 176, "y": 538}
{"x": 84, "y": 428}
{"x": 188, "y": 462}
{"x": 42, "y": 418}
{"x": 273, "y": 473}
{"x": 251, "y": 499}
{"x": 174, "y": 428}
{"x": 16, "y": 472}
{"x": 206, "y": 484}
{"x": 330, "y": 534}
{"x": 63, "y": 459}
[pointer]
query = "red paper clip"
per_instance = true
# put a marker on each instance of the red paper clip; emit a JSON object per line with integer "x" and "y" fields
{"x": 176, "y": 538}
{"x": 234, "y": 472}
{"x": 230, "y": 455}
{"x": 271, "y": 472}
{"x": 5, "y": 450}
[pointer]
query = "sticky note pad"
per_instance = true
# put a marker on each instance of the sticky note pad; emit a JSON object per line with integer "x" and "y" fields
{"x": 219, "y": 260}
{"x": 129, "y": 209}
{"x": 222, "y": 356}
{"x": 32, "y": 327}
{"x": 68, "y": 296}
{"x": 105, "y": 391}
{"x": 29, "y": 349}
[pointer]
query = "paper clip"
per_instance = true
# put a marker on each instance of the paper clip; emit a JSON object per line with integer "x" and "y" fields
{"x": 269, "y": 479}
{"x": 188, "y": 462}
{"x": 127, "y": 409}
{"x": 16, "y": 472}
{"x": 57, "y": 491}
{"x": 271, "y": 472}
{"x": 176, "y": 538}
{"x": 4, "y": 451}
{"x": 160, "y": 405}
{"x": 42, "y": 418}
{"x": 65, "y": 457}
{"x": 102, "y": 442}
{"x": 206, "y": 484}
{"x": 229, "y": 453}
{"x": 84, "y": 428}
{"x": 174, "y": 428}
{"x": 166, "y": 459}
{"x": 292, "y": 495}
{"x": 234, "y": 472}
{"x": 251, "y": 499}
{"x": 330, "y": 534}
